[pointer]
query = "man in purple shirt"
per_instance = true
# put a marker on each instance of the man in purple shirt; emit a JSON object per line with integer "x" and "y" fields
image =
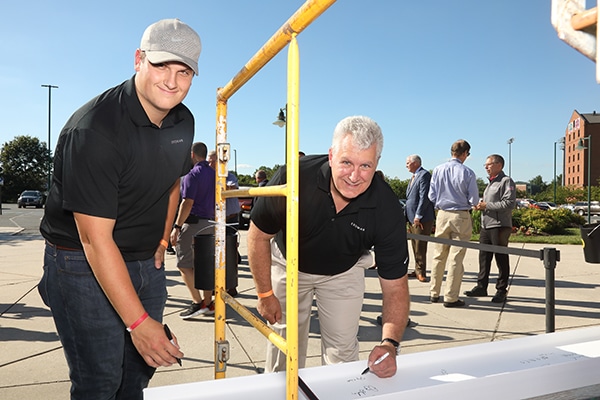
{"x": 196, "y": 210}
{"x": 453, "y": 192}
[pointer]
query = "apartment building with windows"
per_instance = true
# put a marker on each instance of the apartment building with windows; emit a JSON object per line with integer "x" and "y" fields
{"x": 582, "y": 130}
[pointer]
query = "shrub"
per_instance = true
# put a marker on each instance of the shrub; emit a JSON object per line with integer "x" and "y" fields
{"x": 476, "y": 217}
{"x": 552, "y": 222}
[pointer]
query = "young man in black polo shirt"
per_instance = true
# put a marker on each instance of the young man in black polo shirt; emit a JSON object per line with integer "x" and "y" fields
{"x": 114, "y": 194}
{"x": 345, "y": 210}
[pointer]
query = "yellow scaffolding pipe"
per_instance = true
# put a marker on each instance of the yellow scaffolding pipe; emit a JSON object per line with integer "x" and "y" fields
{"x": 303, "y": 17}
{"x": 292, "y": 156}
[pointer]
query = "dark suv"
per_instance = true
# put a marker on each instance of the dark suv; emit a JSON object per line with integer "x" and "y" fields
{"x": 581, "y": 207}
{"x": 31, "y": 198}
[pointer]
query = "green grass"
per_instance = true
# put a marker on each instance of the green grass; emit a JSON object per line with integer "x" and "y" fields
{"x": 571, "y": 236}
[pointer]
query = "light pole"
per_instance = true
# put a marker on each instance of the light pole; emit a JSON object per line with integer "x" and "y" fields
{"x": 50, "y": 87}
{"x": 562, "y": 147}
{"x": 580, "y": 146}
{"x": 281, "y": 122}
{"x": 235, "y": 161}
{"x": 510, "y": 142}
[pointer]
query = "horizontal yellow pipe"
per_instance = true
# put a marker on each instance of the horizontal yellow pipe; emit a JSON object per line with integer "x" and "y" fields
{"x": 263, "y": 191}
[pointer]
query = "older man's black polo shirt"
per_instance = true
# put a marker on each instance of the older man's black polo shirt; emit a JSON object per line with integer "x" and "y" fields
{"x": 112, "y": 162}
{"x": 329, "y": 242}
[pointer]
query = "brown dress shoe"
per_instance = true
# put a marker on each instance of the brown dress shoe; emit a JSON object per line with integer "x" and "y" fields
{"x": 412, "y": 274}
{"x": 422, "y": 278}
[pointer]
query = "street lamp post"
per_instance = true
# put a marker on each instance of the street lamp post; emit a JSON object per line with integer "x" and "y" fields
{"x": 235, "y": 161}
{"x": 510, "y": 142}
{"x": 50, "y": 87}
{"x": 580, "y": 146}
{"x": 281, "y": 122}
{"x": 562, "y": 147}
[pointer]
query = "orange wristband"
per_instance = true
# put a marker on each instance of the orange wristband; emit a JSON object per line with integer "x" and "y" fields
{"x": 265, "y": 294}
{"x": 164, "y": 243}
{"x": 138, "y": 322}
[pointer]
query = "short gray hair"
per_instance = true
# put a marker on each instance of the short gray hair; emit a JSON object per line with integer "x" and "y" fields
{"x": 364, "y": 131}
{"x": 414, "y": 158}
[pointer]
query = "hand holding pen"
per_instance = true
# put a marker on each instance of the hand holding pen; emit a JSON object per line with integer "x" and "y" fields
{"x": 377, "y": 362}
{"x": 170, "y": 337}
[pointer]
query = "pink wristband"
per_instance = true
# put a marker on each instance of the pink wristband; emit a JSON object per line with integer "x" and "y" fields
{"x": 138, "y": 322}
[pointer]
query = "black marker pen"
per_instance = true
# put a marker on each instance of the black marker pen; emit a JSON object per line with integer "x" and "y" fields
{"x": 170, "y": 337}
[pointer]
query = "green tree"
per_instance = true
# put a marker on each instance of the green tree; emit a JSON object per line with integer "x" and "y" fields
{"x": 538, "y": 185}
{"x": 399, "y": 187}
{"x": 481, "y": 185}
{"x": 25, "y": 163}
{"x": 248, "y": 180}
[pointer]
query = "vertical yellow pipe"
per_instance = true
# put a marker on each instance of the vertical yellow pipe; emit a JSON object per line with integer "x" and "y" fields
{"x": 220, "y": 217}
{"x": 292, "y": 218}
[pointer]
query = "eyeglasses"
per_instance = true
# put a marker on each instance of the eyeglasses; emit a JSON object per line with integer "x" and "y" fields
{"x": 489, "y": 164}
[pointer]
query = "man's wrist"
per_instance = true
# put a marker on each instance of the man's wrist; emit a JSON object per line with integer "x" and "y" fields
{"x": 392, "y": 342}
{"x": 178, "y": 227}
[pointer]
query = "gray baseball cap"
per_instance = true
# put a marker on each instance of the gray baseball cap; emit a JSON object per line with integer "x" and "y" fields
{"x": 171, "y": 40}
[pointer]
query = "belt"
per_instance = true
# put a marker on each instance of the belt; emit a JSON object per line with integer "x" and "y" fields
{"x": 57, "y": 247}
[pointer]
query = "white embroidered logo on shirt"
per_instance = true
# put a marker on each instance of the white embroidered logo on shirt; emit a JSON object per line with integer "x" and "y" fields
{"x": 352, "y": 224}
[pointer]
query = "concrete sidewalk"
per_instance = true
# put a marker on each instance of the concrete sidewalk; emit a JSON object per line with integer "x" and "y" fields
{"x": 32, "y": 364}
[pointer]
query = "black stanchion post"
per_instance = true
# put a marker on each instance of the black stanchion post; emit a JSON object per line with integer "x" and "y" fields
{"x": 550, "y": 256}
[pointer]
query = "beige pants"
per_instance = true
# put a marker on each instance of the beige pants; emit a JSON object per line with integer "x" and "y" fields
{"x": 455, "y": 225}
{"x": 339, "y": 301}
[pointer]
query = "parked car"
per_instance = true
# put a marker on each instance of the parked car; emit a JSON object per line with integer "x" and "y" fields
{"x": 525, "y": 203}
{"x": 31, "y": 198}
{"x": 540, "y": 206}
{"x": 548, "y": 204}
{"x": 570, "y": 207}
{"x": 581, "y": 207}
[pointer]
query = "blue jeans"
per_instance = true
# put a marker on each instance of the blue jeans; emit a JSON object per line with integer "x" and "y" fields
{"x": 103, "y": 362}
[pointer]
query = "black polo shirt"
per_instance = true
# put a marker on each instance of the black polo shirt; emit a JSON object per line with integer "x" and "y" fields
{"x": 329, "y": 242}
{"x": 112, "y": 162}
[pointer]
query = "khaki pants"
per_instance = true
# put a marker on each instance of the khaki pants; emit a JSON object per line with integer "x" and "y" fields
{"x": 455, "y": 225}
{"x": 339, "y": 301}
{"x": 420, "y": 246}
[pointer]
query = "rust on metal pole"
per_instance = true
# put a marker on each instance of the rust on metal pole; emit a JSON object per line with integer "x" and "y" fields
{"x": 585, "y": 19}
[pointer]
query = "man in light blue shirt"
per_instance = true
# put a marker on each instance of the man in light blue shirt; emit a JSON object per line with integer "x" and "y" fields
{"x": 453, "y": 192}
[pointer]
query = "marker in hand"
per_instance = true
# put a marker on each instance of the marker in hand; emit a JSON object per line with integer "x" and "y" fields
{"x": 170, "y": 337}
{"x": 378, "y": 361}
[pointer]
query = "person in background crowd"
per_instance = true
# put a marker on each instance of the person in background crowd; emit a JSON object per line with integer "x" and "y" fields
{"x": 196, "y": 211}
{"x": 499, "y": 199}
{"x": 419, "y": 213}
{"x": 453, "y": 192}
{"x": 261, "y": 178}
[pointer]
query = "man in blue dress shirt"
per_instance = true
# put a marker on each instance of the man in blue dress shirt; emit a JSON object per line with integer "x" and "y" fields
{"x": 454, "y": 192}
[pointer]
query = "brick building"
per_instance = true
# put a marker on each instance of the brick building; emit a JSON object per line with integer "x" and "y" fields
{"x": 576, "y": 161}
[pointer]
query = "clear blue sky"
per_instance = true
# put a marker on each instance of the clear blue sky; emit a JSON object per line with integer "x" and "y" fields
{"x": 429, "y": 72}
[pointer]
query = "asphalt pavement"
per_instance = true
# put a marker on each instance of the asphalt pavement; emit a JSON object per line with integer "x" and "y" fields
{"x": 32, "y": 364}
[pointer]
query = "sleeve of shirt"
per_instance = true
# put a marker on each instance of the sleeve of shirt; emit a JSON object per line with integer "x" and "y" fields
{"x": 432, "y": 187}
{"x": 188, "y": 189}
{"x": 391, "y": 247}
{"x": 424, "y": 185}
{"x": 473, "y": 189}
{"x": 91, "y": 161}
